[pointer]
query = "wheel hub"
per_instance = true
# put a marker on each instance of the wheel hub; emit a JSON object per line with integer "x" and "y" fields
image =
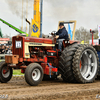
{"x": 33, "y": 74}
{"x": 36, "y": 74}
{"x": 5, "y": 72}
{"x": 80, "y": 64}
{"x": 88, "y": 64}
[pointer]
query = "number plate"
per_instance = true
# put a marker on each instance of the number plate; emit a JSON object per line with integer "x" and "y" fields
{"x": 18, "y": 44}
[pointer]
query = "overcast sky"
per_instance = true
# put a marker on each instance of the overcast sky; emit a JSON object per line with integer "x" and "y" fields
{"x": 85, "y": 12}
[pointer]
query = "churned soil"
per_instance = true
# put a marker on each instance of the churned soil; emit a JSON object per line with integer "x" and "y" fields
{"x": 18, "y": 89}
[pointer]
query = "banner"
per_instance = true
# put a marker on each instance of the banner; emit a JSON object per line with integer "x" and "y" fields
{"x": 35, "y": 29}
{"x": 99, "y": 31}
{"x": 70, "y": 31}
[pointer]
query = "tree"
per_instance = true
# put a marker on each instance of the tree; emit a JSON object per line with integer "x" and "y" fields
{"x": 82, "y": 34}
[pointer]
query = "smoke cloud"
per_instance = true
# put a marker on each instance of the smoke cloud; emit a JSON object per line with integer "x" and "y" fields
{"x": 16, "y": 6}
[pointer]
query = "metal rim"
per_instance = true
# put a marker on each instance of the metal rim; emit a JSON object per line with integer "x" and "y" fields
{"x": 88, "y": 64}
{"x": 5, "y": 72}
{"x": 36, "y": 74}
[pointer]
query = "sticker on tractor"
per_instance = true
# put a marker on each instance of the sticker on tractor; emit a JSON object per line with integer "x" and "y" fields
{"x": 18, "y": 44}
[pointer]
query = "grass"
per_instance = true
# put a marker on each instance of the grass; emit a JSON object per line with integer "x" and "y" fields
{"x": 17, "y": 72}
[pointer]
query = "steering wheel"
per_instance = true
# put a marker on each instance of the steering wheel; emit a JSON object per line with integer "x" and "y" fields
{"x": 53, "y": 33}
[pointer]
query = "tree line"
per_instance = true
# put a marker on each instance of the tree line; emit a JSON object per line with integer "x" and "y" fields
{"x": 83, "y": 34}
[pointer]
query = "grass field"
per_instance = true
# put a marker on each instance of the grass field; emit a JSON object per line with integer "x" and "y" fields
{"x": 17, "y": 72}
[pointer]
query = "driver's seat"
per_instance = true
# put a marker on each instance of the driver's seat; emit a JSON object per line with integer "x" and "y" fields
{"x": 65, "y": 43}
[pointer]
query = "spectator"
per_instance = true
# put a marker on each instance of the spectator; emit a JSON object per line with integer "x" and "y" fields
{"x": 2, "y": 51}
{"x": 9, "y": 50}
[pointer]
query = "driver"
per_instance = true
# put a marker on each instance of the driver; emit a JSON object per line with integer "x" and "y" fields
{"x": 61, "y": 35}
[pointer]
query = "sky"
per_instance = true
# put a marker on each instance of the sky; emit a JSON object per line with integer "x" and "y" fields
{"x": 85, "y": 12}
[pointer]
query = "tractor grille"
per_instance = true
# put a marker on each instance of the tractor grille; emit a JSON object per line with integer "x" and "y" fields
{"x": 17, "y": 46}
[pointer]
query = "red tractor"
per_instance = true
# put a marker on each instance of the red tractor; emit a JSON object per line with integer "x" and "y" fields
{"x": 38, "y": 60}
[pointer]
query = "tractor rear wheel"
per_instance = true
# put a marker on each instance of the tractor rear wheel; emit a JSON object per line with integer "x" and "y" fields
{"x": 65, "y": 63}
{"x": 33, "y": 74}
{"x": 79, "y": 63}
{"x": 5, "y": 72}
{"x": 85, "y": 64}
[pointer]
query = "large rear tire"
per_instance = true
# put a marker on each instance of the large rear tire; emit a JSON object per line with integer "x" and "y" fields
{"x": 79, "y": 63}
{"x": 33, "y": 74}
{"x": 85, "y": 64}
{"x": 5, "y": 72}
{"x": 65, "y": 63}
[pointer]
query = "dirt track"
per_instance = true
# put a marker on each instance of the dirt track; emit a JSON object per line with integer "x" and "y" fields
{"x": 18, "y": 89}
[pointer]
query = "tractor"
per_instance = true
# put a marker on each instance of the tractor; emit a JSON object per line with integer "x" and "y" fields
{"x": 37, "y": 60}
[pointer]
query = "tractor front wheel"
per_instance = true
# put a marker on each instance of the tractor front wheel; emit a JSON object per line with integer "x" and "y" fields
{"x": 33, "y": 74}
{"x": 5, "y": 72}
